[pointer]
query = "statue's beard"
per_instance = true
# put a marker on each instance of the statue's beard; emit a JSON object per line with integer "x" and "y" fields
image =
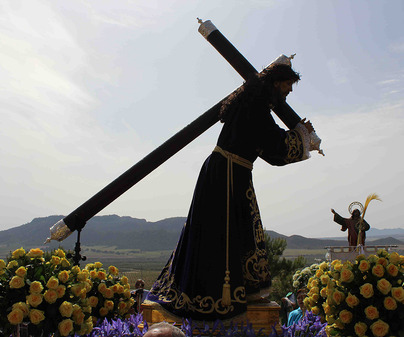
{"x": 277, "y": 97}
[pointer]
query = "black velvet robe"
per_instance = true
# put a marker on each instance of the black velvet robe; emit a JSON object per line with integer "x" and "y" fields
{"x": 190, "y": 285}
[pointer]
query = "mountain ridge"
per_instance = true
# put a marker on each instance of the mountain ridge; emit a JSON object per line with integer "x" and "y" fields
{"x": 127, "y": 232}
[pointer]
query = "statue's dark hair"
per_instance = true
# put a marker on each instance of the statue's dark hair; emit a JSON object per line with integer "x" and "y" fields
{"x": 256, "y": 92}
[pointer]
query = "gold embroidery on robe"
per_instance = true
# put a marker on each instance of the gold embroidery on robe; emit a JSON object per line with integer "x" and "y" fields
{"x": 294, "y": 145}
{"x": 255, "y": 262}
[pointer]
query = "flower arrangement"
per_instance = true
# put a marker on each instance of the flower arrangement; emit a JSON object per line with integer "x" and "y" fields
{"x": 109, "y": 295}
{"x": 301, "y": 277}
{"x": 51, "y": 295}
{"x": 317, "y": 287}
{"x": 361, "y": 298}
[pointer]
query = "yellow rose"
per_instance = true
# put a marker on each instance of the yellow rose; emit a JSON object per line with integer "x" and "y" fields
{"x": 384, "y": 286}
{"x": 65, "y": 263}
{"x": 60, "y": 253}
{"x": 2, "y": 264}
{"x": 398, "y": 293}
{"x": 93, "y": 301}
{"x": 61, "y": 290}
{"x": 382, "y": 261}
{"x": 65, "y": 327}
{"x": 392, "y": 269}
{"x": 64, "y": 276}
{"x": 378, "y": 270}
{"x": 126, "y": 294}
{"x": 338, "y": 296}
{"x": 22, "y": 306}
{"x": 319, "y": 272}
{"x": 338, "y": 323}
{"x": 113, "y": 270}
{"x": 66, "y": 309}
{"x": 394, "y": 258}
{"x": 360, "y": 257}
{"x": 78, "y": 317}
{"x": 34, "y": 300}
{"x": 75, "y": 270}
{"x": 50, "y": 296}
{"x": 115, "y": 288}
{"x": 327, "y": 308}
{"x": 371, "y": 312}
{"x": 15, "y": 316}
{"x": 306, "y": 302}
{"x": 360, "y": 329}
{"x": 124, "y": 280}
{"x": 21, "y": 272}
{"x": 102, "y": 287}
{"x": 89, "y": 266}
{"x": 109, "y": 305}
{"x": 120, "y": 290}
{"x": 338, "y": 266}
{"x": 379, "y": 328}
{"x": 122, "y": 306}
{"x": 346, "y": 275}
{"x": 35, "y": 287}
{"x": 36, "y": 316}
{"x": 18, "y": 253}
{"x": 366, "y": 290}
{"x": 86, "y": 327}
{"x": 315, "y": 297}
{"x": 35, "y": 253}
{"x": 76, "y": 289}
{"x": 313, "y": 282}
{"x": 103, "y": 311}
{"x": 390, "y": 303}
{"x": 55, "y": 260}
{"x": 52, "y": 283}
{"x": 324, "y": 279}
{"x": 315, "y": 310}
{"x": 345, "y": 316}
{"x": 93, "y": 274}
{"x": 12, "y": 264}
{"x": 364, "y": 266}
{"x": 352, "y": 300}
{"x": 16, "y": 282}
{"x": 101, "y": 275}
{"x": 82, "y": 276}
{"x": 323, "y": 265}
{"x": 98, "y": 265}
{"x": 108, "y": 293}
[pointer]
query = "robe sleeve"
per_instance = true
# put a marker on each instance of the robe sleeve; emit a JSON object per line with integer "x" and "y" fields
{"x": 279, "y": 147}
{"x": 340, "y": 220}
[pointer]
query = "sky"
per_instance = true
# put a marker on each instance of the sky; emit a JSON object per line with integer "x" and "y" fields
{"x": 89, "y": 88}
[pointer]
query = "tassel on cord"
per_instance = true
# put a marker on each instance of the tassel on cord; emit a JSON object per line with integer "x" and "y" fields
{"x": 226, "y": 297}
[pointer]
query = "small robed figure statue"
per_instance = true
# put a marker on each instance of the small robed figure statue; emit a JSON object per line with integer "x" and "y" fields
{"x": 356, "y": 225}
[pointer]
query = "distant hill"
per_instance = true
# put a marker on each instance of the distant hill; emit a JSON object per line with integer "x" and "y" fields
{"x": 130, "y": 233}
{"x": 110, "y": 230}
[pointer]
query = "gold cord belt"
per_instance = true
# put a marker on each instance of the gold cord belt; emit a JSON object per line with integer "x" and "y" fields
{"x": 231, "y": 158}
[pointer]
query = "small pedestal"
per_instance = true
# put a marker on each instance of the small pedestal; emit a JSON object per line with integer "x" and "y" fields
{"x": 262, "y": 316}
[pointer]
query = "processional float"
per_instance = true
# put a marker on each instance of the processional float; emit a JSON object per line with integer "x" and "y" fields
{"x": 77, "y": 219}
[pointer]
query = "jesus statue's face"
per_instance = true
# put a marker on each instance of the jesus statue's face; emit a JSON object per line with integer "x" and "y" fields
{"x": 284, "y": 87}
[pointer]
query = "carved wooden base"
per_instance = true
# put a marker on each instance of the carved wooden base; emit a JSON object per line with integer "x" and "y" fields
{"x": 262, "y": 316}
